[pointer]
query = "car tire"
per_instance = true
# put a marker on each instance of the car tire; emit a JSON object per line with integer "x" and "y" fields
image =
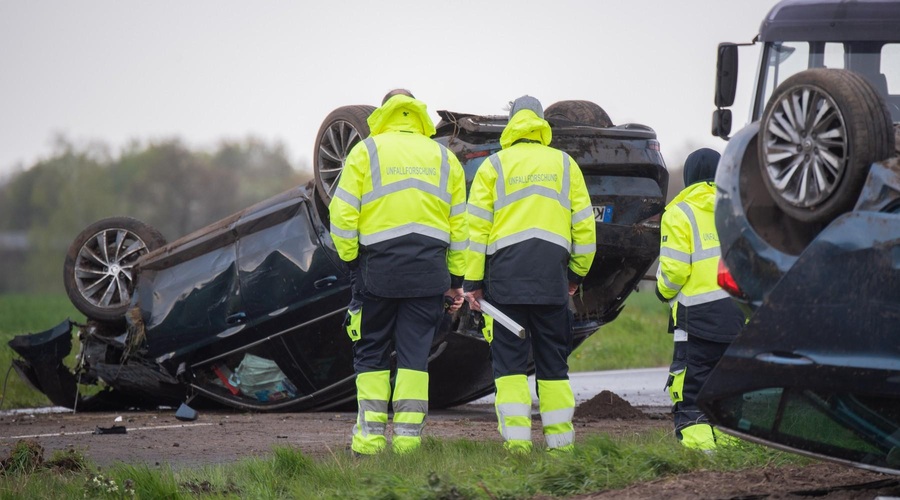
{"x": 99, "y": 273}
{"x": 585, "y": 112}
{"x": 820, "y": 132}
{"x": 340, "y": 131}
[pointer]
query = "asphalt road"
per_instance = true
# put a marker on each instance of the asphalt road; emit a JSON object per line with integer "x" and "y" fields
{"x": 642, "y": 387}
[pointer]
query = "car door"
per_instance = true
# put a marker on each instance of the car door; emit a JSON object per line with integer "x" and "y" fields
{"x": 817, "y": 368}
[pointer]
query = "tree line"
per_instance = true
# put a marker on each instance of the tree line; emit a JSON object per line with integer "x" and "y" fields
{"x": 165, "y": 184}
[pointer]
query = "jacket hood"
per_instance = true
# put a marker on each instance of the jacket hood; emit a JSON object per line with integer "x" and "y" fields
{"x": 401, "y": 113}
{"x": 701, "y": 195}
{"x": 701, "y": 166}
{"x": 525, "y": 124}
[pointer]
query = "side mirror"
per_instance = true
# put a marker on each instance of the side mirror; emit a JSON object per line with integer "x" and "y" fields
{"x": 726, "y": 74}
{"x": 721, "y": 123}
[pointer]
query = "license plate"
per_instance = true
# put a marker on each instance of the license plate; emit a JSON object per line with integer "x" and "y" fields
{"x": 603, "y": 213}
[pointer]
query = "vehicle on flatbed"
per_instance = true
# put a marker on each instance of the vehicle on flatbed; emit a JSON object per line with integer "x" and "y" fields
{"x": 808, "y": 216}
{"x": 247, "y": 311}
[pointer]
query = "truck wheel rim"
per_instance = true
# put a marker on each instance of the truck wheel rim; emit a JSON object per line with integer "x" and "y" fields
{"x": 805, "y": 146}
{"x": 104, "y": 267}
{"x": 334, "y": 147}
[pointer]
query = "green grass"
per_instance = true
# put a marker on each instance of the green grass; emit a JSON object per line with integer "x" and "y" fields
{"x": 636, "y": 339}
{"x": 21, "y": 314}
{"x": 443, "y": 469}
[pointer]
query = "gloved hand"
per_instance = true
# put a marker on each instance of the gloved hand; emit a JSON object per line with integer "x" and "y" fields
{"x": 453, "y": 299}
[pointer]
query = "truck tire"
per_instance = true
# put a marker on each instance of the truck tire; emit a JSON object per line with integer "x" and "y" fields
{"x": 99, "y": 274}
{"x": 820, "y": 132}
{"x": 585, "y": 112}
{"x": 340, "y": 131}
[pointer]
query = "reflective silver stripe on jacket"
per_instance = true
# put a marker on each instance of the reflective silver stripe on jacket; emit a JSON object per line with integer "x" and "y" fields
{"x": 675, "y": 254}
{"x": 666, "y": 281}
{"x": 396, "y": 232}
{"x": 459, "y": 245}
{"x": 583, "y": 249}
{"x": 582, "y": 214}
{"x": 343, "y": 233}
{"x": 480, "y": 212}
{"x": 343, "y": 194}
{"x": 379, "y": 190}
{"x": 561, "y": 416}
{"x": 503, "y": 199}
{"x": 529, "y": 234}
{"x": 702, "y": 298}
{"x": 477, "y": 247}
{"x": 699, "y": 253}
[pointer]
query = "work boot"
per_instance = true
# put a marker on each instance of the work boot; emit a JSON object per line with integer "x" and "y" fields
{"x": 697, "y": 436}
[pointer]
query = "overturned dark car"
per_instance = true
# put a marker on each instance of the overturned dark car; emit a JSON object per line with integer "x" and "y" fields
{"x": 808, "y": 215}
{"x": 247, "y": 312}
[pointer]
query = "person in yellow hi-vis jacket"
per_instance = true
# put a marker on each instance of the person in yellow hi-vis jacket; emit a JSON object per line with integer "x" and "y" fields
{"x": 398, "y": 220}
{"x": 532, "y": 239}
{"x": 704, "y": 318}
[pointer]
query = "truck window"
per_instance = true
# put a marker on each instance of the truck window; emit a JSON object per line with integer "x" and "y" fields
{"x": 890, "y": 67}
{"x": 878, "y": 62}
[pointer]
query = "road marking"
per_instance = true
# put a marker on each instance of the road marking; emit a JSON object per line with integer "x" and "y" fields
{"x": 58, "y": 434}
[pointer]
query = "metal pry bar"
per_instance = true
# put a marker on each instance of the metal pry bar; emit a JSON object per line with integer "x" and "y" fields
{"x": 501, "y": 318}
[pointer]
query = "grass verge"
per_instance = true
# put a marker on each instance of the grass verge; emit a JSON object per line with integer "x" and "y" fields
{"x": 442, "y": 469}
{"x": 636, "y": 339}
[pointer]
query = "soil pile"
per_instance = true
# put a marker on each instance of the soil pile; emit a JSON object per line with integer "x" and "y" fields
{"x": 606, "y": 405}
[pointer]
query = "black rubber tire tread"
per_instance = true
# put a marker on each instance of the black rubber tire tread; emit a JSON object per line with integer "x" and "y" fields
{"x": 151, "y": 237}
{"x": 870, "y": 137}
{"x": 356, "y": 115}
{"x": 585, "y": 112}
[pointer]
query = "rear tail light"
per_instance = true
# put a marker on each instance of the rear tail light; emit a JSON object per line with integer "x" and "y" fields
{"x": 726, "y": 281}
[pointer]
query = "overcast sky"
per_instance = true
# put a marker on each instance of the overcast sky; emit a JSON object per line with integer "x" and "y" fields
{"x": 203, "y": 70}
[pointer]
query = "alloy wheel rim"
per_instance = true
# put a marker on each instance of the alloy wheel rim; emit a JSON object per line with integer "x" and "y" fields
{"x": 104, "y": 267}
{"x": 805, "y": 147}
{"x": 337, "y": 141}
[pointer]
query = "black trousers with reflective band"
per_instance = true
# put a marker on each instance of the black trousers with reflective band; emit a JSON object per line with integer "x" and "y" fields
{"x": 697, "y": 357}
{"x": 406, "y": 325}
{"x": 549, "y": 339}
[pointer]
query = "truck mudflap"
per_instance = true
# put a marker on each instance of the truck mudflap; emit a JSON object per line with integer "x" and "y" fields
{"x": 817, "y": 368}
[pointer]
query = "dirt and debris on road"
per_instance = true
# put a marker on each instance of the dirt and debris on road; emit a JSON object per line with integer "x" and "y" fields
{"x": 224, "y": 436}
{"x": 156, "y": 438}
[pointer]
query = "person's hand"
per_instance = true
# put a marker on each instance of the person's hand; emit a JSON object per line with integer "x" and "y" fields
{"x": 472, "y": 297}
{"x": 456, "y": 295}
{"x": 573, "y": 287}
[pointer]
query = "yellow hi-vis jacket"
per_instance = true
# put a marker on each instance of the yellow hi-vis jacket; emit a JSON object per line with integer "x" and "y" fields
{"x": 399, "y": 208}
{"x": 688, "y": 267}
{"x": 531, "y": 224}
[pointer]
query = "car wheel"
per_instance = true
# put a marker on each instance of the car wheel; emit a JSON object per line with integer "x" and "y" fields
{"x": 340, "y": 131}
{"x": 584, "y": 112}
{"x": 820, "y": 132}
{"x": 99, "y": 274}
